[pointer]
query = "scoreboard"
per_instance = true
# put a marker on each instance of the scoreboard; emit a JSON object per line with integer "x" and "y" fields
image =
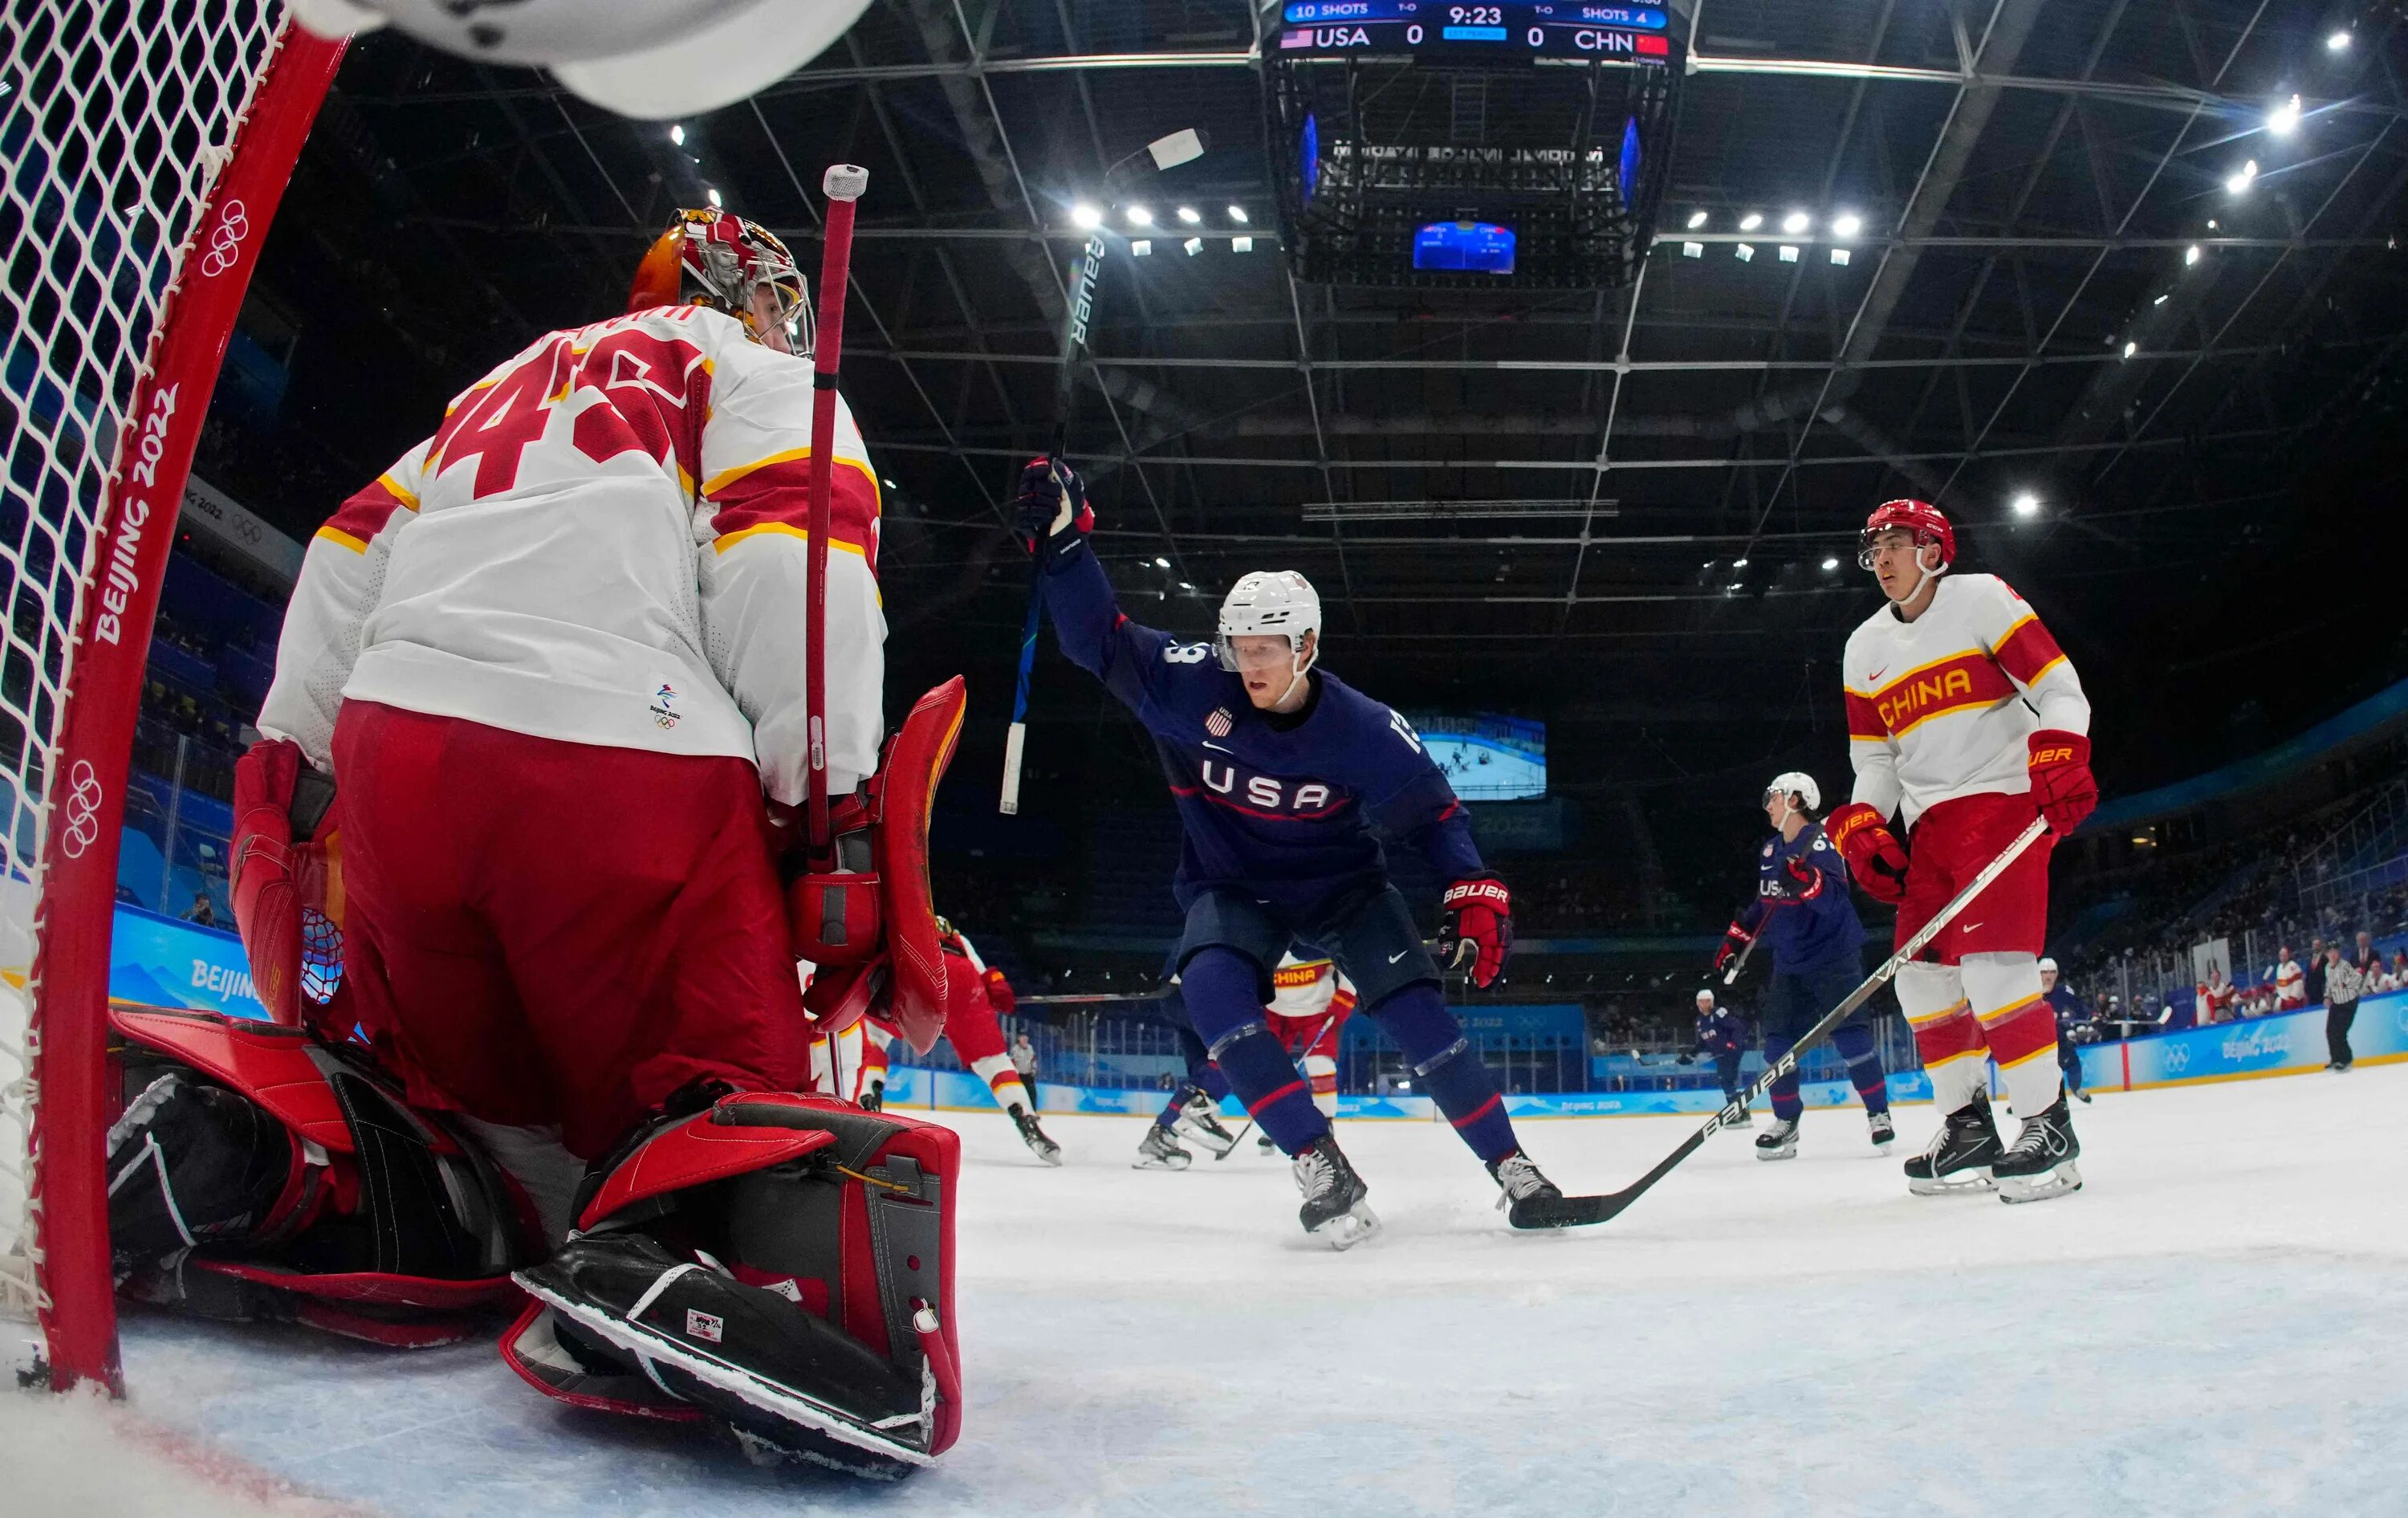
{"x": 1459, "y": 33}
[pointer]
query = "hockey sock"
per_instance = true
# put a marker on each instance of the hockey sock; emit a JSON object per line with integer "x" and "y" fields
{"x": 1202, "y": 1073}
{"x": 1855, "y": 1042}
{"x": 1003, "y": 1081}
{"x": 1786, "y": 1104}
{"x": 1449, "y": 1068}
{"x": 1224, "y": 1001}
{"x": 1946, "y": 1034}
{"x": 1323, "y": 1072}
{"x": 2018, "y": 1025}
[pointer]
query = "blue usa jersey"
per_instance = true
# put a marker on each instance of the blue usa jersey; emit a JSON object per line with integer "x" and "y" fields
{"x": 1284, "y": 810}
{"x": 1806, "y": 924}
{"x": 1720, "y": 1033}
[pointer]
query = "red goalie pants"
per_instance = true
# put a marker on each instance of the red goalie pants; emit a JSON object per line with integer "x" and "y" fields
{"x": 545, "y": 932}
{"x": 1949, "y": 845}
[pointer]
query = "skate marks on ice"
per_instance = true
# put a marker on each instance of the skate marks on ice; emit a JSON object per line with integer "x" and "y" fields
{"x": 2210, "y": 1325}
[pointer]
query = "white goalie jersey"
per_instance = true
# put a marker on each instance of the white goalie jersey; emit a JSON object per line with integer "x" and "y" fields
{"x": 605, "y": 543}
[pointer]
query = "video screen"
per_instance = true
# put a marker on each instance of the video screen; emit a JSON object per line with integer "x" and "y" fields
{"x": 1487, "y": 757}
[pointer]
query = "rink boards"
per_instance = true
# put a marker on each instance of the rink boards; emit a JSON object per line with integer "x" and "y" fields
{"x": 160, "y": 962}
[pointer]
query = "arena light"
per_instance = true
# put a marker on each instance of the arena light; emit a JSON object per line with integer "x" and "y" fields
{"x": 2338, "y": 41}
{"x": 1141, "y": 216}
{"x": 2027, "y": 505}
{"x": 1190, "y": 216}
{"x": 1238, "y": 214}
{"x": 1795, "y": 222}
{"x": 2283, "y": 120}
{"x": 715, "y": 203}
{"x": 1693, "y": 250}
{"x": 1847, "y": 223}
{"x": 2130, "y": 348}
{"x": 1751, "y": 221}
{"x": 1161, "y": 563}
{"x": 2239, "y": 184}
{"x": 1142, "y": 248}
{"x": 1193, "y": 246}
{"x": 1788, "y": 253}
{"x": 677, "y": 135}
{"x": 1839, "y": 256}
{"x": 1738, "y": 563}
{"x": 1697, "y": 219}
{"x": 1831, "y": 563}
{"x": 1241, "y": 245}
{"x": 1086, "y": 217}
{"x": 2191, "y": 255}
{"x": 1745, "y": 253}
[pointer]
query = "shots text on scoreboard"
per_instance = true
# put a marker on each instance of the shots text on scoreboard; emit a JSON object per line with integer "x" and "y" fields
{"x": 1509, "y": 29}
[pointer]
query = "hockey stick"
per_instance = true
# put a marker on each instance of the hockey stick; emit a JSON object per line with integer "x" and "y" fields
{"x": 1092, "y": 998}
{"x": 1575, "y": 1212}
{"x": 1165, "y": 153}
{"x": 1318, "y": 1034}
{"x": 1730, "y": 977}
{"x": 844, "y": 183}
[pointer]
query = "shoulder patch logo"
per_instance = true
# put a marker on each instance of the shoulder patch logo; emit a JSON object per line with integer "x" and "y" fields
{"x": 1219, "y": 724}
{"x": 664, "y": 708}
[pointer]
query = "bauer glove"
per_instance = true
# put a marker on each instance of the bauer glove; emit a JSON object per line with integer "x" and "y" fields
{"x": 1735, "y": 938}
{"x": 1479, "y": 932}
{"x": 2062, "y": 783}
{"x": 1871, "y": 850}
{"x": 1050, "y": 514}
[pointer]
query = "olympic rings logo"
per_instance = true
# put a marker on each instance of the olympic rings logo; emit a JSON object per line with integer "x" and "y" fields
{"x": 225, "y": 239}
{"x": 83, "y": 810}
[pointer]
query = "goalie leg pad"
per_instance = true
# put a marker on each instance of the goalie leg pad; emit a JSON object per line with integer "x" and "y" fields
{"x": 192, "y": 1163}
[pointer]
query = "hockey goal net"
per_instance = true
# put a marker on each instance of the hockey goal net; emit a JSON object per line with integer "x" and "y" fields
{"x": 144, "y": 145}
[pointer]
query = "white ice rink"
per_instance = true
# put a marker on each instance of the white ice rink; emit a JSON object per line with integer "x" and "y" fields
{"x": 2219, "y": 1324}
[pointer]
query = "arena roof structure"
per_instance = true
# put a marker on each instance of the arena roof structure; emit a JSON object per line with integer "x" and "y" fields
{"x": 2116, "y": 284}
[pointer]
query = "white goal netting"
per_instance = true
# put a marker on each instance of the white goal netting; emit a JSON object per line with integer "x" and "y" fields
{"x": 114, "y": 119}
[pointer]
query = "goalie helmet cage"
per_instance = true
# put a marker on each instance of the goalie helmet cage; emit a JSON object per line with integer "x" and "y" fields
{"x": 145, "y": 145}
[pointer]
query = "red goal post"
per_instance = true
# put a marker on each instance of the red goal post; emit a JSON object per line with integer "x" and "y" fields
{"x": 145, "y": 145}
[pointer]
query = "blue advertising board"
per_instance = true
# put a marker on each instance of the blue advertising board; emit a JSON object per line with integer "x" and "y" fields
{"x": 161, "y": 962}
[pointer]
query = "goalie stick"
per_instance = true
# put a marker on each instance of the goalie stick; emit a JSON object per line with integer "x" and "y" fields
{"x": 843, "y": 183}
{"x": 1578, "y": 1211}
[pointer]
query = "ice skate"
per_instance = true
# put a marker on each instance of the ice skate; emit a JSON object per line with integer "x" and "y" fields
{"x": 1201, "y": 1125}
{"x": 744, "y": 1353}
{"x": 1883, "y": 1131}
{"x": 1034, "y": 1136}
{"x": 1959, "y": 1156}
{"x": 1528, "y": 1199}
{"x": 2040, "y": 1164}
{"x": 2082, "y": 1096}
{"x": 1263, "y": 1144}
{"x": 1159, "y": 1151}
{"x": 1744, "y": 1122}
{"x": 1779, "y": 1141}
{"x": 1334, "y": 1210}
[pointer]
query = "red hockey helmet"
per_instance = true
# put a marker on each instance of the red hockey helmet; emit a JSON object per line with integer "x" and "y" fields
{"x": 1920, "y": 518}
{"x": 716, "y": 259}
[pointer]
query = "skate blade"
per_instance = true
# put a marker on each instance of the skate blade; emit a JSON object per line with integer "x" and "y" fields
{"x": 1148, "y": 1162}
{"x": 2062, "y": 1182}
{"x": 1050, "y": 1154}
{"x": 1203, "y": 1140}
{"x": 1348, "y": 1228}
{"x": 1968, "y": 1182}
{"x": 1786, "y": 1152}
{"x": 770, "y": 1397}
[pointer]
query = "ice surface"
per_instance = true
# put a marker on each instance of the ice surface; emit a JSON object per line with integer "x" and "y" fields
{"x": 2217, "y": 1324}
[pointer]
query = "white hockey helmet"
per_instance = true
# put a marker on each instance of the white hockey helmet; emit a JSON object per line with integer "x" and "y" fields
{"x": 1800, "y": 783}
{"x": 2048, "y": 966}
{"x": 1705, "y": 997}
{"x": 1276, "y": 602}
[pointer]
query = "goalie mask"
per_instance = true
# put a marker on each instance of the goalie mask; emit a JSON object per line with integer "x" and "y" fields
{"x": 721, "y": 261}
{"x": 1270, "y": 603}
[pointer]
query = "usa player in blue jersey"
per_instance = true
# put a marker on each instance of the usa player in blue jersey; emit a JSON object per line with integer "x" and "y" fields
{"x": 1278, "y": 769}
{"x": 1803, "y": 915}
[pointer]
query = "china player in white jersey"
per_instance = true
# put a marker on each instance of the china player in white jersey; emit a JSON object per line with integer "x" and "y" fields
{"x": 1310, "y": 1001}
{"x": 1963, "y": 719}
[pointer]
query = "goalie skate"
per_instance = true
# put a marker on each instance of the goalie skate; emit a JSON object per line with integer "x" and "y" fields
{"x": 830, "y": 1401}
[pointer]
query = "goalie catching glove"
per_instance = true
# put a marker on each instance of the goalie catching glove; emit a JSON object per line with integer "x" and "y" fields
{"x": 1478, "y": 937}
{"x": 1871, "y": 850}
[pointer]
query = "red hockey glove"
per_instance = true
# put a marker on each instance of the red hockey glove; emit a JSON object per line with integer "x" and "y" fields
{"x": 1871, "y": 850}
{"x": 999, "y": 992}
{"x": 1479, "y": 931}
{"x": 1051, "y": 512}
{"x": 1735, "y": 941}
{"x": 2060, "y": 779}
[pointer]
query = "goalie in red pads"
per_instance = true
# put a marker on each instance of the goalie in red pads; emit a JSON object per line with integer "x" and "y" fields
{"x": 554, "y": 662}
{"x": 1963, "y": 719}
